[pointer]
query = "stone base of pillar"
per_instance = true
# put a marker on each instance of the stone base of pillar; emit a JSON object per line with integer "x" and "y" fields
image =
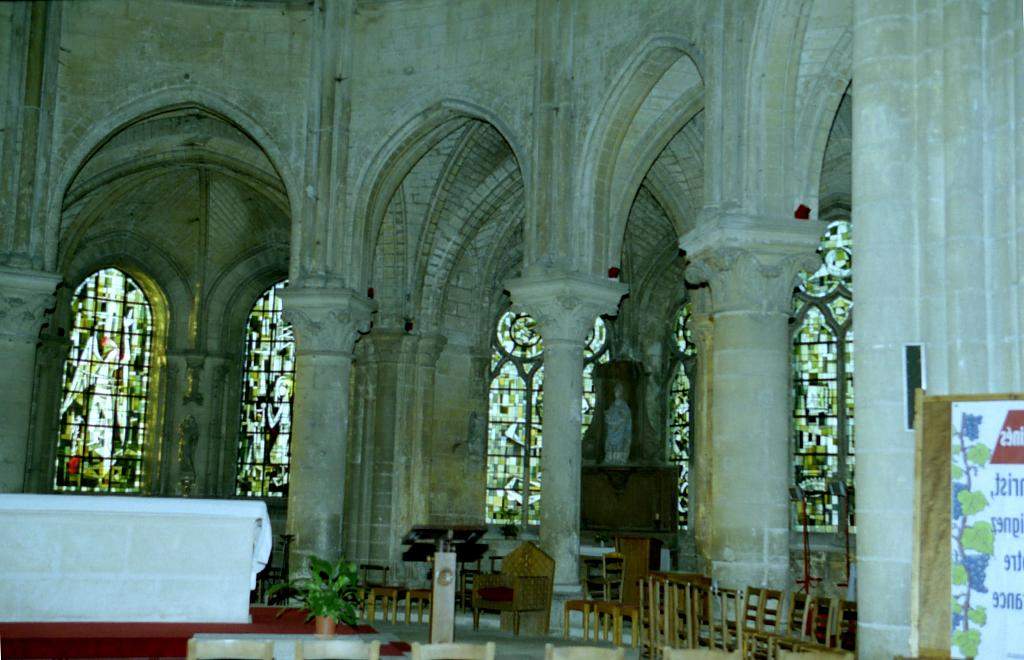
{"x": 558, "y": 598}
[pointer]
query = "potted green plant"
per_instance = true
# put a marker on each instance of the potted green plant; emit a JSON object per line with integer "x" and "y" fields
{"x": 329, "y": 593}
{"x": 510, "y": 528}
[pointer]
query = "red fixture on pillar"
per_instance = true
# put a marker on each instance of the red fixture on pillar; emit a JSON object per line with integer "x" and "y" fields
{"x": 803, "y": 212}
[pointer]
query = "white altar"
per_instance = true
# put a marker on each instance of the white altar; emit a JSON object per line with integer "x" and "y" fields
{"x": 111, "y": 558}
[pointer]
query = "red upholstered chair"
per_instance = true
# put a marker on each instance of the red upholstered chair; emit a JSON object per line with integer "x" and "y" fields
{"x": 524, "y": 585}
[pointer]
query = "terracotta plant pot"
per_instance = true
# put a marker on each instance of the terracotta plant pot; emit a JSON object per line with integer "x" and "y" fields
{"x": 325, "y": 626}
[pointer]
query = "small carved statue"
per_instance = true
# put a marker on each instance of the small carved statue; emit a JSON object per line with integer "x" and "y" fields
{"x": 618, "y": 430}
{"x": 188, "y": 436}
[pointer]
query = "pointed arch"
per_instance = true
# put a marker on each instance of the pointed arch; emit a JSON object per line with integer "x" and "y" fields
{"x": 91, "y": 134}
{"x": 396, "y": 157}
{"x": 608, "y": 174}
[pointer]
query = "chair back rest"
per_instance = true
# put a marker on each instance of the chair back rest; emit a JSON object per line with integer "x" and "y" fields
{"x": 821, "y": 619}
{"x": 336, "y": 649}
{"x": 847, "y": 624}
{"x": 240, "y": 649}
{"x": 752, "y": 608}
{"x": 614, "y": 564}
{"x": 771, "y": 610}
{"x": 582, "y": 653}
{"x": 526, "y": 560}
{"x": 453, "y": 651}
{"x": 796, "y": 614}
{"x": 373, "y": 574}
{"x": 699, "y": 654}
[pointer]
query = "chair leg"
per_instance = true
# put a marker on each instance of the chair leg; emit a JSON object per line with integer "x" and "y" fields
{"x": 515, "y": 622}
{"x": 476, "y": 619}
{"x": 635, "y": 634}
{"x": 565, "y": 621}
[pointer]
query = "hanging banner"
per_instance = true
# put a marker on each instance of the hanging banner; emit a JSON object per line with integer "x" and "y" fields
{"x": 987, "y": 531}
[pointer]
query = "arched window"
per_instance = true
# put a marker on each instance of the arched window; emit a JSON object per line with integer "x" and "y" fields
{"x": 823, "y": 452}
{"x": 106, "y": 384}
{"x": 516, "y": 413}
{"x": 680, "y": 408}
{"x": 267, "y": 393}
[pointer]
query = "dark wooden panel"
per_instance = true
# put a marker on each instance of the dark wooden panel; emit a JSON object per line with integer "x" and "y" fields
{"x": 629, "y": 498}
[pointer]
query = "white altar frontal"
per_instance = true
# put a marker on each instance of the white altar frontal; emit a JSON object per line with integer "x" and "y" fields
{"x": 111, "y": 558}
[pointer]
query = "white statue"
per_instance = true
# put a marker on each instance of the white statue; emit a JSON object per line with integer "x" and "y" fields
{"x": 618, "y": 430}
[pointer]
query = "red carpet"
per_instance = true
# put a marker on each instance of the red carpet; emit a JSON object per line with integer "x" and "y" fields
{"x": 149, "y": 640}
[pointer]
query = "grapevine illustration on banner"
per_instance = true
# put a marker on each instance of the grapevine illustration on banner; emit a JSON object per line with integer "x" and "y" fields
{"x": 973, "y": 539}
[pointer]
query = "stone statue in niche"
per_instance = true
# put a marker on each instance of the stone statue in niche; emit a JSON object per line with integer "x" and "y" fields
{"x": 188, "y": 436}
{"x": 618, "y": 430}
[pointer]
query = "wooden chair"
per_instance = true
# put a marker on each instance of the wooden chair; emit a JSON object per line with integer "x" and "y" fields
{"x": 240, "y": 649}
{"x": 467, "y": 573}
{"x": 423, "y": 597}
{"x": 610, "y": 611}
{"x": 846, "y": 621}
{"x": 388, "y": 598}
{"x": 762, "y": 618}
{"x": 582, "y": 653}
{"x": 593, "y": 578}
{"x": 523, "y": 586}
{"x": 453, "y": 651}
{"x": 581, "y": 605}
{"x": 336, "y": 649}
{"x": 614, "y": 568}
{"x": 727, "y": 629}
{"x": 796, "y": 615}
{"x": 699, "y": 654}
{"x": 821, "y": 621}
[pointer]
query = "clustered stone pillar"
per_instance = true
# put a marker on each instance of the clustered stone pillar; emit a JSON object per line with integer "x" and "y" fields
{"x": 565, "y": 307}
{"x": 751, "y": 275}
{"x": 327, "y": 323}
{"x": 24, "y": 298}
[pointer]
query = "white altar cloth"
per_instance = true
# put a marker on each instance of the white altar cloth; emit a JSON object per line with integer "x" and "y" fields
{"x": 112, "y": 558}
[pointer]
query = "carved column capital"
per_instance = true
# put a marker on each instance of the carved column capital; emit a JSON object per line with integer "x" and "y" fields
{"x": 25, "y": 295}
{"x": 565, "y": 304}
{"x": 326, "y": 320}
{"x": 750, "y": 264}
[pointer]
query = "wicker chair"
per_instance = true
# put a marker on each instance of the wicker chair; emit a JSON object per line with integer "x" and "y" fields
{"x": 524, "y": 585}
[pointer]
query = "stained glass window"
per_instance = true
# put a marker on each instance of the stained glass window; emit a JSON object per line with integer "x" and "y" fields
{"x": 106, "y": 383}
{"x": 267, "y": 393}
{"x": 515, "y": 419}
{"x": 680, "y": 417}
{"x": 823, "y": 385}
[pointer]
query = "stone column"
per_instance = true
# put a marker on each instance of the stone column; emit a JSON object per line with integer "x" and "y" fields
{"x": 565, "y": 306}
{"x": 24, "y": 298}
{"x": 327, "y": 323}
{"x": 750, "y": 265}
{"x": 703, "y": 458}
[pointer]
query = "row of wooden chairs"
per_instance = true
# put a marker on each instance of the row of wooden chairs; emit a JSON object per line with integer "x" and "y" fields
{"x": 818, "y": 621}
{"x": 310, "y": 649}
{"x": 684, "y": 611}
{"x": 335, "y": 649}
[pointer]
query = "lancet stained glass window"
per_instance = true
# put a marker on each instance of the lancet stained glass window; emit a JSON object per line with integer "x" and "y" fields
{"x": 514, "y": 433}
{"x": 267, "y": 392}
{"x": 106, "y": 384}
{"x": 680, "y": 413}
{"x": 823, "y": 452}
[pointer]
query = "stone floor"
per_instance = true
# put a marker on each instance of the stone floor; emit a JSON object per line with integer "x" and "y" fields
{"x": 510, "y": 647}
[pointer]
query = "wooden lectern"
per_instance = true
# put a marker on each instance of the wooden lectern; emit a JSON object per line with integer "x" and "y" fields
{"x": 447, "y": 546}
